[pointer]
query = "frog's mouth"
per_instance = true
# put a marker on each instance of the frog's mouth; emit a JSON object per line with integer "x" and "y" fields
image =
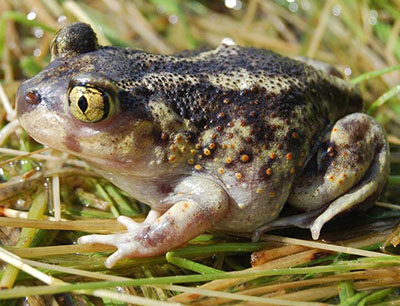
{"x": 44, "y": 127}
{"x": 48, "y": 130}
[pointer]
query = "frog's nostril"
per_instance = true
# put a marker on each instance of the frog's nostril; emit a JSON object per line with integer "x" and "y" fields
{"x": 32, "y": 97}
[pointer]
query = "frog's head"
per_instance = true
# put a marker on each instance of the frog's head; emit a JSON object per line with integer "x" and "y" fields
{"x": 77, "y": 104}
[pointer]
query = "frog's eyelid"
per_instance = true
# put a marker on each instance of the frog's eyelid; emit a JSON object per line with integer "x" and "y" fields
{"x": 94, "y": 80}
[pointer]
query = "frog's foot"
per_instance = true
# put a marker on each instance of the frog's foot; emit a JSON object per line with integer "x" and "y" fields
{"x": 353, "y": 166}
{"x": 124, "y": 242}
{"x": 197, "y": 204}
{"x": 368, "y": 188}
{"x": 304, "y": 220}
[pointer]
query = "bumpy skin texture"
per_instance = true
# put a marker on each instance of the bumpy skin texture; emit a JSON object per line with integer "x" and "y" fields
{"x": 217, "y": 139}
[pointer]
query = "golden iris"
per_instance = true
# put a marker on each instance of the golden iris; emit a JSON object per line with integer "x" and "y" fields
{"x": 88, "y": 103}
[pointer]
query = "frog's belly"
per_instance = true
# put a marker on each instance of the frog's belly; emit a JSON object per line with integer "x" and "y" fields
{"x": 259, "y": 209}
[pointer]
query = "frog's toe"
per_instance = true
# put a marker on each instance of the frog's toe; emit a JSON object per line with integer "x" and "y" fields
{"x": 130, "y": 225}
{"x": 92, "y": 239}
{"x": 115, "y": 257}
{"x": 100, "y": 239}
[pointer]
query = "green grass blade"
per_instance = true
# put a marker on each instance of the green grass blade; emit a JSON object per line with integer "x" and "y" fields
{"x": 189, "y": 264}
{"x": 383, "y": 99}
{"x": 373, "y": 74}
{"x": 346, "y": 290}
{"x": 376, "y": 297}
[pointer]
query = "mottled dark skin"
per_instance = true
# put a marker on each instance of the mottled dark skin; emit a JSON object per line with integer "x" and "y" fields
{"x": 217, "y": 139}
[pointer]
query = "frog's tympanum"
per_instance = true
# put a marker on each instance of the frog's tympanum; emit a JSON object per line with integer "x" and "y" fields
{"x": 219, "y": 139}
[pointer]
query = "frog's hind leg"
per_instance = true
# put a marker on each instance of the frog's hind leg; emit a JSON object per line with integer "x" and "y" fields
{"x": 369, "y": 188}
{"x": 351, "y": 167}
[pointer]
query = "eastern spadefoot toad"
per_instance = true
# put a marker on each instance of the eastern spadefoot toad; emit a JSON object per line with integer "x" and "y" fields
{"x": 218, "y": 139}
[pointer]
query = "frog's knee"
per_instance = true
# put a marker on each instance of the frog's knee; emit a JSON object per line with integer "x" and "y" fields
{"x": 361, "y": 145}
{"x": 358, "y": 129}
{"x": 355, "y": 143}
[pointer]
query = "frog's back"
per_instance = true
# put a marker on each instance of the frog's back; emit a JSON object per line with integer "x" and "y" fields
{"x": 200, "y": 85}
{"x": 248, "y": 117}
{"x": 237, "y": 90}
{"x": 236, "y": 105}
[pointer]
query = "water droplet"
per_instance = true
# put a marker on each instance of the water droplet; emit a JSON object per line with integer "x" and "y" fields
{"x": 61, "y": 19}
{"x": 373, "y": 17}
{"x": 233, "y": 4}
{"x": 228, "y": 41}
{"x": 373, "y": 13}
{"x": 38, "y": 32}
{"x": 20, "y": 203}
{"x": 293, "y": 7}
{"x": 37, "y": 52}
{"x": 336, "y": 10}
{"x": 238, "y": 5}
{"x": 173, "y": 19}
{"x": 31, "y": 16}
{"x": 347, "y": 71}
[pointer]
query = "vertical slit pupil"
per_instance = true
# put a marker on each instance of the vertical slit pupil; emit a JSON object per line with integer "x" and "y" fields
{"x": 82, "y": 103}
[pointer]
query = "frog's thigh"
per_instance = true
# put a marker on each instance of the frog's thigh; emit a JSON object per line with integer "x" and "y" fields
{"x": 197, "y": 205}
{"x": 353, "y": 167}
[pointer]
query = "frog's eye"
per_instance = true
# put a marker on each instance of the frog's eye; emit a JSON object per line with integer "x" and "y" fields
{"x": 88, "y": 103}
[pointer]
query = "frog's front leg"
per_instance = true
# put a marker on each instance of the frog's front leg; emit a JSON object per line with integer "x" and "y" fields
{"x": 196, "y": 205}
